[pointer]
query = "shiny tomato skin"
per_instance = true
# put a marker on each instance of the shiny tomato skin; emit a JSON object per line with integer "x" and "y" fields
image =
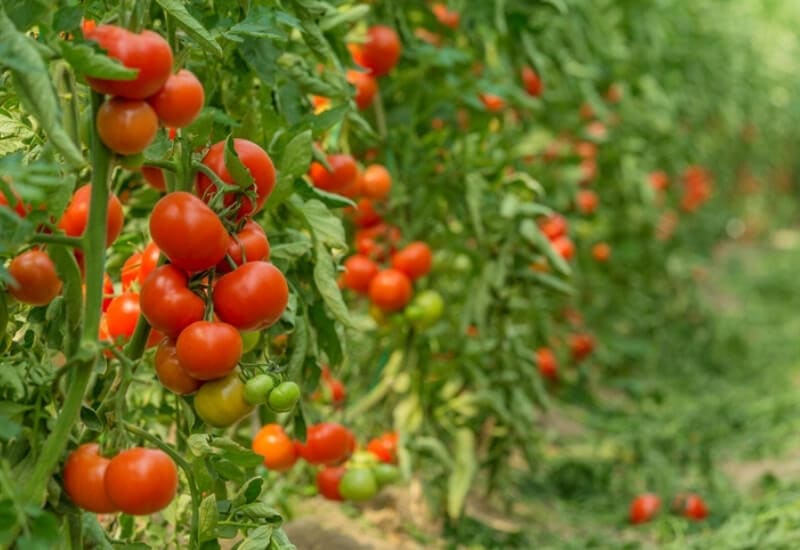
{"x": 390, "y": 290}
{"x": 276, "y": 447}
{"x": 377, "y": 182}
{"x": 644, "y": 507}
{"x": 384, "y": 448}
{"x": 169, "y": 370}
{"x": 141, "y": 481}
{"x": 554, "y": 226}
{"x": 532, "y": 82}
{"x": 126, "y": 126}
{"x": 414, "y": 260}
{"x": 208, "y": 350}
{"x": 691, "y": 506}
{"x": 252, "y": 296}
{"x": 587, "y": 201}
{"x": 564, "y": 246}
{"x": 147, "y": 52}
{"x": 253, "y": 240}
{"x": 122, "y": 315}
{"x": 19, "y": 206}
{"x": 359, "y": 272}
{"x": 365, "y": 86}
{"x": 149, "y": 261}
{"x": 154, "y": 177}
{"x": 327, "y": 443}
{"x": 257, "y": 162}
{"x": 188, "y": 232}
{"x": 129, "y": 273}
{"x": 344, "y": 172}
{"x": 328, "y": 479}
{"x": 76, "y": 217}
{"x": 581, "y": 345}
{"x": 84, "y": 479}
{"x": 601, "y": 252}
{"x": 381, "y": 51}
{"x": 358, "y": 484}
{"x": 377, "y": 241}
{"x": 365, "y": 214}
{"x": 36, "y": 281}
{"x": 180, "y": 100}
{"x": 493, "y": 103}
{"x": 167, "y": 303}
{"x": 546, "y": 363}
{"x": 220, "y": 403}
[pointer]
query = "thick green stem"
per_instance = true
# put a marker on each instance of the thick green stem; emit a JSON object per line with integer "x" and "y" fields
{"x": 46, "y": 238}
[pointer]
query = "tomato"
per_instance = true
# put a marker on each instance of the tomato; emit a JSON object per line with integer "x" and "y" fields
{"x": 597, "y": 130}
{"x": 147, "y": 52}
{"x": 250, "y": 243}
{"x": 364, "y": 214}
{"x": 377, "y": 182}
{"x": 644, "y": 507}
{"x": 426, "y": 309}
{"x": 36, "y": 281}
{"x": 220, "y": 403}
{"x": 493, "y": 103}
{"x": 327, "y": 443}
{"x": 284, "y": 397}
{"x": 188, "y": 232}
{"x": 564, "y": 247}
{"x": 587, "y": 201}
{"x": 257, "y": 162}
{"x": 414, "y": 260}
{"x": 691, "y": 506}
{"x": 209, "y": 350}
{"x": 180, "y": 100}
{"x": 581, "y": 345}
{"x": 445, "y": 16}
{"x": 167, "y": 303}
{"x": 126, "y": 126}
{"x": 252, "y": 296}
{"x": 84, "y": 479}
{"x": 155, "y": 177}
{"x": 358, "y": 484}
{"x": 381, "y": 51}
{"x": 614, "y": 93}
{"x": 385, "y": 474}
{"x": 122, "y": 315}
{"x": 130, "y": 270}
{"x": 365, "y": 86}
{"x": 601, "y": 252}
{"x": 354, "y": 189}
{"x": 586, "y": 149}
{"x": 343, "y": 173}
{"x": 169, "y": 370}
{"x": 337, "y": 390}
{"x": 359, "y": 272}
{"x": 384, "y": 447}
{"x": 531, "y": 82}
{"x": 659, "y": 180}
{"x": 76, "y": 217}
{"x": 328, "y": 479}
{"x": 19, "y": 206}
{"x": 546, "y": 363}
{"x": 553, "y": 226}
{"x": 141, "y": 481}
{"x": 390, "y": 290}
{"x": 276, "y": 447}
{"x": 588, "y": 170}
{"x": 377, "y": 241}
{"x": 149, "y": 261}
{"x": 256, "y": 390}
{"x": 108, "y": 291}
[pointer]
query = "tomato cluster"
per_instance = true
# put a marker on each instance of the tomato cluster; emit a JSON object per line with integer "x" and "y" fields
{"x": 646, "y": 506}
{"x": 334, "y": 391}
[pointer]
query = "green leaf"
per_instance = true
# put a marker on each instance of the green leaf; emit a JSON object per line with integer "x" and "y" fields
{"x": 331, "y": 200}
{"x": 191, "y": 26}
{"x": 209, "y": 516}
{"x": 261, "y": 22}
{"x": 325, "y": 227}
{"x": 238, "y": 171}
{"x": 257, "y": 539}
{"x": 325, "y": 280}
{"x": 531, "y": 233}
{"x": 300, "y": 349}
{"x": 327, "y": 338}
{"x": 280, "y": 541}
{"x": 42, "y": 534}
{"x": 88, "y": 61}
{"x": 8, "y": 428}
{"x": 94, "y": 533}
{"x": 296, "y": 157}
{"x": 352, "y": 15}
{"x": 262, "y": 57}
{"x": 463, "y": 472}
{"x": 291, "y": 251}
{"x": 474, "y": 197}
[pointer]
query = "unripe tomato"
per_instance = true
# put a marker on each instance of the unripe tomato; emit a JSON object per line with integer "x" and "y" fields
{"x": 343, "y": 174}
{"x": 644, "y": 507}
{"x": 425, "y": 309}
{"x": 328, "y": 479}
{"x": 564, "y": 246}
{"x": 546, "y": 363}
{"x": 122, "y": 315}
{"x": 359, "y": 272}
{"x": 180, "y": 100}
{"x": 155, "y": 177}
{"x": 385, "y": 474}
{"x": 276, "y": 447}
{"x": 390, "y": 290}
{"x": 358, "y": 484}
{"x": 169, "y": 370}
{"x": 188, "y": 232}
{"x": 327, "y": 443}
{"x": 147, "y": 52}
{"x": 254, "y": 159}
{"x": 252, "y": 296}
{"x": 531, "y": 81}
{"x": 376, "y": 182}
{"x": 414, "y": 260}
{"x": 84, "y": 479}
{"x": 553, "y": 226}
{"x": 126, "y": 126}
{"x": 167, "y": 303}
{"x": 493, "y": 103}
{"x": 445, "y": 16}
{"x": 76, "y": 217}
{"x": 36, "y": 281}
{"x": 586, "y": 201}
{"x": 365, "y": 86}
{"x": 250, "y": 243}
{"x": 284, "y": 397}
{"x": 220, "y": 403}
{"x": 141, "y": 481}
{"x": 691, "y": 506}
{"x": 581, "y": 345}
{"x": 256, "y": 390}
{"x": 601, "y": 252}
{"x": 381, "y": 51}
{"x": 209, "y": 350}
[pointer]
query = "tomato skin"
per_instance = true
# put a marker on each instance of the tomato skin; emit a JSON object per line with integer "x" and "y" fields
{"x": 147, "y": 51}
{"x": 365, "y": 86}
{"x": 377, "y": 241}
{"x": 19, "y": 207}
{"x": 414, "y": 260}
{"x": 644, "y": 507}
{"x": 76, "y": 217}
{"x": 149, "y": 261}
{"x": 84, "y": 479}
{"x": 220, "y": 403}
{"x": 252, "y": 296}
{"x": 691, "y": 506}
{"x": 327, "y": 443}
{"x": 359, "y": 272}
{"x": 378, "y": 448}
{"x": 169, "y": 370}
{"x": 36, "y": 280}
{"x": 328, "y": 479}
{"x": 564, "y": 246}
{"x": 208, "y": 350}
{"x": 493, "y": 103}
{"x": 358, "y": 484}
{"x": 546, "y": 363}
{"x": 377, "y": 182}
{"x": 601, "y": 252}
{"x": 365, "y": 214}
{"x": 586, "y": 201}
{"x": 659, "y": 180}
{"x": 284, "y": 397}
{"x": 188, "y": 232}
{"x": 256, "y": 390}
{"x": 122, "y": 315}
{"x": 531, "y": 82}
{"x": 141, "y": 481}
{"x": 257, "y": 162}
{"x": 154, "y": 177}
{"x": 425, "y": 309}
{"x": 254, "y": 242}
{"x": 167, "y": 303}
{"x": 276, "y": 447}
{"x": 344, "y": 172}
{"x": 581, "y": 345}
{"x": 445, "y": 16}
{"x": 126, "y": 126}
{"x": 180, "y": 100}
{"x": 130, "y": 270}
{"x": 554, "y": 226}
{"x": 381, "y": 51}
{"x": 390, "y": 290}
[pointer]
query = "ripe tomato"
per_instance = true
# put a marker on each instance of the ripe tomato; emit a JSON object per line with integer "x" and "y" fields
{"x": 414, "y": 260}
{"x": 343, "y": 174}
{"x": 257, "y": 162}
{"x": 581, "y": 345}
{"x": 359, "y": 272}
{"x": 553, "y": 226}
{"x": 547, "y": 363}
{"x": 493, "y": 103}
{"x": 252, "y": 296}
{"x": 276, "y": 447}
{"x": 19, "y": 207}
{"x": 155, "y": 177}
{"x": 377, "y": 182}
{"x": 147, "y": 52}
{"x": 180, "y": 100}
{"x": 358, "y": 484}
{"x": 254, "y": 242}
{"x": 601, "y": 252}
{"x": 587, "y": 201}
{"x": 220, "y": 403}
{"x": 169, "y": 370}
{"x": 35, "y": 279}
{"x": 377, "y": 241}
{"x": 531, "y": 82}
{"x": 188, "y": 232}
{"x": 126, "y": 126}
{"x": 445, "y": 16}
{"x": 130, "y": 270}
{"x": 167, "y": 303}
{"x": 564, "y": 246}
{"x": 644, "y": 507}
{"x": 284, "y": 397}
{"x": 75, "y": 218}
{"x": 390, "y": 290}
{"x": 122, "y": 315}
{"x": 384, "y": 447}
{"x": 691, "y": 506}
{"x": 365, "y": 86}
{"x": 659, "y": 180}
{"x": 364, "y": 214}
{"x": 586, "y": 149}
{"x": 208, "y": 350}
{"x": 381, "y": 51}
{"x": 328, "y": 479}
{"x": 84, "y": 479}
{"x": 327, "y": 443}
{"x": 141, "y": 481}
{"x": 337, "y": 390}
{"x": 149, "y": 261}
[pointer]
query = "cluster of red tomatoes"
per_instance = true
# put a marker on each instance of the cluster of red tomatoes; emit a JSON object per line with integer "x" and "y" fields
{"x": 645, "y": 507}
{"x": 581, "y": 345}
{"x": 136, "y": 481}
{"x": 697, "y": 188}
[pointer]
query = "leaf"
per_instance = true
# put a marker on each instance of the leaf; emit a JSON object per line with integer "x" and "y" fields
{"x": 352, "y": 15}
{"x": 327, "y": 338}
{"x": 463, "y": 472}
{"x": 296, "y": 157}
{"x": 261, "y": 22}
{"x": 300, "y": 349}
{"x": 94, "y": 533}
{"x": 325, "y": 227}
{"x": 257, "y": 539}
{"x": 88, "y": 61}
{"x": 262, "y": 57}
{"x": 331, "y": 200}
{"x": 209, "y": 516}
{"x": 280, "y": 541}
{"x": 42, "y": 533}
{"x": 531, "y": 233}
{"x": 8, "y": 428}
{"x": 191, "y": 26}
{"x": 325, "y": 280}
{"x": 261, "y": 511}
{"x": 238, "y": 171}
{"x": 291, "y": 251}
{"x": 474, "y": 197}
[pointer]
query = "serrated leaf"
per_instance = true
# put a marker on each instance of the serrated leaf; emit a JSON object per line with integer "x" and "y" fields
{"x": 262, "y": 57}
{"x": 88, "y": 61}
{"x": 291, "y": 251}
{"x": 257, "y": 539}
{"x": 296, "y": 157}
{"x": 331, "y": 200}
{"x": 280, "y": 541}
{"x": 325, "y": 227}
{"x": 209, "y": 516}
{"x": 191, "y": 26}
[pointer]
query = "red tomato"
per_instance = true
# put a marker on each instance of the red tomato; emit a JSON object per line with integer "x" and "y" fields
{"x": 659, "y": 180}
{"x": 691, "y": 506}
{"x": 547, "y": 363}
{"x": 553, "y": 226}
{"x": 274, "y": 445}
{"x": 257, "y": 162}
{"x": 155, "y": 177}
{"x": 531, "y": 82}
{"x": 445, "y": 16}
{"x": 587, "y": 201}
{"x": 588, "y": 170}
{"x": 252, "y": 296}
{"x": 141, "y": 481}
{"x": 254, "y": 242}
{"x": 586, "y": 149}
{"x": 169, "y": 370}
{"x": 414, "y": 260}
{"x": 209, "y": 350}
{"x": 377, "y": 182}
{"x": 601, "y": 252}
{"x": 84, "y": 479}
{"x": 130, "y": 270}
{"x": 328, "y": 479}
{"x": 377, "y": 241}
{"x": 327, "y": 443}
{"x": 564, "y": 247}
{"x": 126, "y": 126}
{"x": 147, "y": 52}
{"x": 614, "y": 93}
{"x": 19, "y": 207}
{"x": 188, "y": 232}
{"x": 344, "y": 173}
{"x": 149, "y": 261}
{"x": 122, "y": 315}
{"x": 381, "y": 51}
{"x": 365, "y": 86}
{"x": 359, "y": 272}
{"x": 390, "y": 290}
{"x": 36, "y": 281}
{"x": 108, "y": 291}
{"x": 167, "y": 303}
{"x": 179, "y": 102}
{"x": 354, "y": 189}
{"x": 76, "y": 217}
{"x": 384, "y": 447}
{"x": 365, "y": 214}
{"x": 493, "y": 103}
{"x": 644, "y": 507}
{"x": 581, "y": 345}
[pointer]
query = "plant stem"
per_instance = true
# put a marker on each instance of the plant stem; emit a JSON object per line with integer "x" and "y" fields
{"x": 46, "y": 238}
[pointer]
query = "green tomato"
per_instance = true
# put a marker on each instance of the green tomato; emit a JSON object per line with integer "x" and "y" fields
{"x": 426, "y": 309}
{"x": 284, "y": 397}
{"x": 257, "y": 389}
{"x": 358, "y": 484}
{"x": 131, "y": 162}
{"x": 250, "y": 340}
{"x": 363, "y": 458}
{"x": 220, "y": 403}
{"x": 386, "y": 473}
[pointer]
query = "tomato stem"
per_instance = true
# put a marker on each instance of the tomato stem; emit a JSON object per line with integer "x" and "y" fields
{"x": 66, "y": 240}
